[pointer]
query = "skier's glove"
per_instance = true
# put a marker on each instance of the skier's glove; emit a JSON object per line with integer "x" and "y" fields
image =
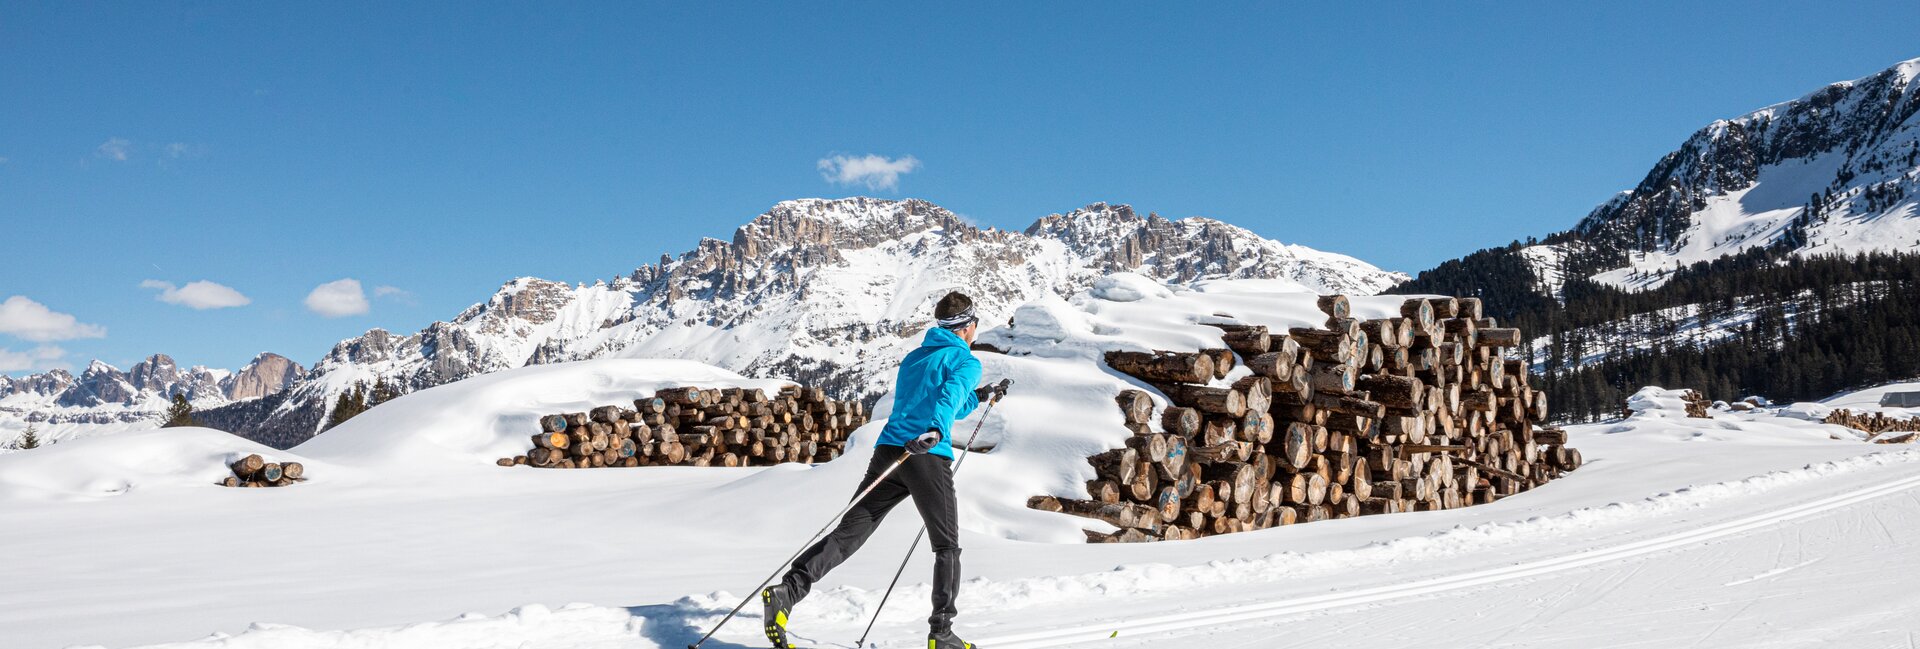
{"x": 925, "y": 442}
{"x": 992, "y": 392}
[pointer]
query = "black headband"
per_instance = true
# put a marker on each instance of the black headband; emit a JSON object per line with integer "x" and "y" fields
{"x": 958, "y": 320}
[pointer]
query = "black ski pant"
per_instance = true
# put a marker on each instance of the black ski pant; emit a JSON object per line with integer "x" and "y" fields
{"x": 929, "y": 479}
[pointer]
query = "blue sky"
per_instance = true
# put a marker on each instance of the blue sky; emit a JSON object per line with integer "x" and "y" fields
{"x": 431, "y": 152}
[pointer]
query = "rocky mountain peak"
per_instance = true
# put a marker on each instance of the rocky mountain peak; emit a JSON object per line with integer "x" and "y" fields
{"x": 99, "y": 368}
{"x": 371, "y": 347}
{"x": 157, "y": 372}
{"x": 829, "y": 225}
{"x": 266, "y": 374}
{"x": 528, "y": 300}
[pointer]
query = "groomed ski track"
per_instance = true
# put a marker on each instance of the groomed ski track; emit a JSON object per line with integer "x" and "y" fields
{"x": 1166, "y": 629}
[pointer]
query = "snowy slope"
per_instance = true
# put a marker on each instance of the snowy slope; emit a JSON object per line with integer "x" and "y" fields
{"x": 825, "y": 291}
{"x": 407, "y": 520}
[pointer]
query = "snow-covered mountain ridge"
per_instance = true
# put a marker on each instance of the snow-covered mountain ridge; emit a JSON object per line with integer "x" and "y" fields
{"x": 102, "y": 395}
{"x": 1834, "y": 171}
{"x": 826, "y": 291}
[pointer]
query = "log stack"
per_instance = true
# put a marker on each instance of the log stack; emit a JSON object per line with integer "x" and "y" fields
{"x": 256, "y": 471}
{"x": 1903, "y": 430}
{"x": 691, "y": 426}
{"x": 1412, "y": 413}
{"x": 1698, "y": 405}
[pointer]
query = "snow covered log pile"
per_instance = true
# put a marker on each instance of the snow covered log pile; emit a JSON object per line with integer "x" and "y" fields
{"x": 698, "y": 427}
{"x": 1879, "y": 425}
{"x": 1698, "y": 405}
{"x": 1413, "y": 413}
{"x": 256, "y": 471}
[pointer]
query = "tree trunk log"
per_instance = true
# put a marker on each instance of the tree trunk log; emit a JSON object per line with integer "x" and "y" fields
{"x": 1163, "y": 366}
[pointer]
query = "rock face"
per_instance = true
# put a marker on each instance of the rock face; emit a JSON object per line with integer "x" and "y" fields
{"x": 267, "y": 374}
{"x": 828, "y": 291}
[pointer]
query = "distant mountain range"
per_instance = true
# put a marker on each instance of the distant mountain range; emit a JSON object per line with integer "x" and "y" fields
{"x": 103, "y": 394}
{"x": 827, "y": 291}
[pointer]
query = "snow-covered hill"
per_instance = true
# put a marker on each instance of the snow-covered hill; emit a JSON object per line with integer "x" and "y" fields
{"x": 1835, "y": 171}
{"x": 406, "y": 519}
{"x": 826, "y": 291}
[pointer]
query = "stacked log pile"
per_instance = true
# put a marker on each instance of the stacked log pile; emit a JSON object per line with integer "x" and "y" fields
{"x": 690, "y": 426}
{"x": 1879, "y": 425}
{"x": 1698, "y": 405}
{"x": 256, "y": 471}
{"x": 1413, "y": 413}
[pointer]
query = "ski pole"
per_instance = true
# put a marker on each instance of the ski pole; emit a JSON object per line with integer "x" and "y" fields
{"x": 803, "y": 548}
{"x": 862, "y": 642}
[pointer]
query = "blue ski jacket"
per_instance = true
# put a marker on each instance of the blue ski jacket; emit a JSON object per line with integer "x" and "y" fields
{"x": 934, "y": 387}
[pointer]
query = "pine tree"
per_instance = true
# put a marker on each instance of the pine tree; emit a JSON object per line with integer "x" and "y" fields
{"x": 382, "y": 393}
{"x": 180, "y": 413}
{"x": 30, "y": 439}
{"x": 347, "y": 405}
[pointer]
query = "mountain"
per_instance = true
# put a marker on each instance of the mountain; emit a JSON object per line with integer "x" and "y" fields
{"x": 104, "y": 395}
{"x": 827, "y": 291}
{"x": 1834, "y": 171}
{"x": 1793, "y": 223}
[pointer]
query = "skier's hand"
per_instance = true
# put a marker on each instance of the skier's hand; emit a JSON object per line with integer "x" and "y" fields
{"x": 992, "y": 392}
{"x": 925, "y": 442}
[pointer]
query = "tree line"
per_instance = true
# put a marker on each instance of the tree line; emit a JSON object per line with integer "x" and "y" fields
{"x": 1802, "y": 328}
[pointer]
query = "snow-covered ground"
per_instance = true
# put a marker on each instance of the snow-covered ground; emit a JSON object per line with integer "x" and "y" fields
{"x": 1859, "y": 402}
{"x": 1868, "y": 400}
{"x": 1743, "y": 530}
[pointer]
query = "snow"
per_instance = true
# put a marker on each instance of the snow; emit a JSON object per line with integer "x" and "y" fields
{"x": 406, "y": 529}
{"x": 1858, "y": 401}
{"x": 150, "y": 461}
{"x": 1756, "y": 215}
{"x": 1546, "y": 260}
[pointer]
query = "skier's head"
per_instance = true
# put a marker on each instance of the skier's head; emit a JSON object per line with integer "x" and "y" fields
{"x": 955, "y": 313}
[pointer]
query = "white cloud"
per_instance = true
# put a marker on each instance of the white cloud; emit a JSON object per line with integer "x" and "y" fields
{"x": 44, "y": 357}
{"x": 876, "y": 172}
{"x": 185, "y": 151}
{"x": 394, "y": 293}
{"x": 116, "y": 149}
{"x": 338, "y": 298}
{"x": 198, "y": 295}
{"x": 29, "y": 320}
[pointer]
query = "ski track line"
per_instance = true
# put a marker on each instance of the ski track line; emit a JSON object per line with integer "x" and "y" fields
{"x": 1134, "y": 627}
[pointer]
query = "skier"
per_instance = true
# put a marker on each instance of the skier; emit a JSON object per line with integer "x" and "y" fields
{"x": 932, "y": 389}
